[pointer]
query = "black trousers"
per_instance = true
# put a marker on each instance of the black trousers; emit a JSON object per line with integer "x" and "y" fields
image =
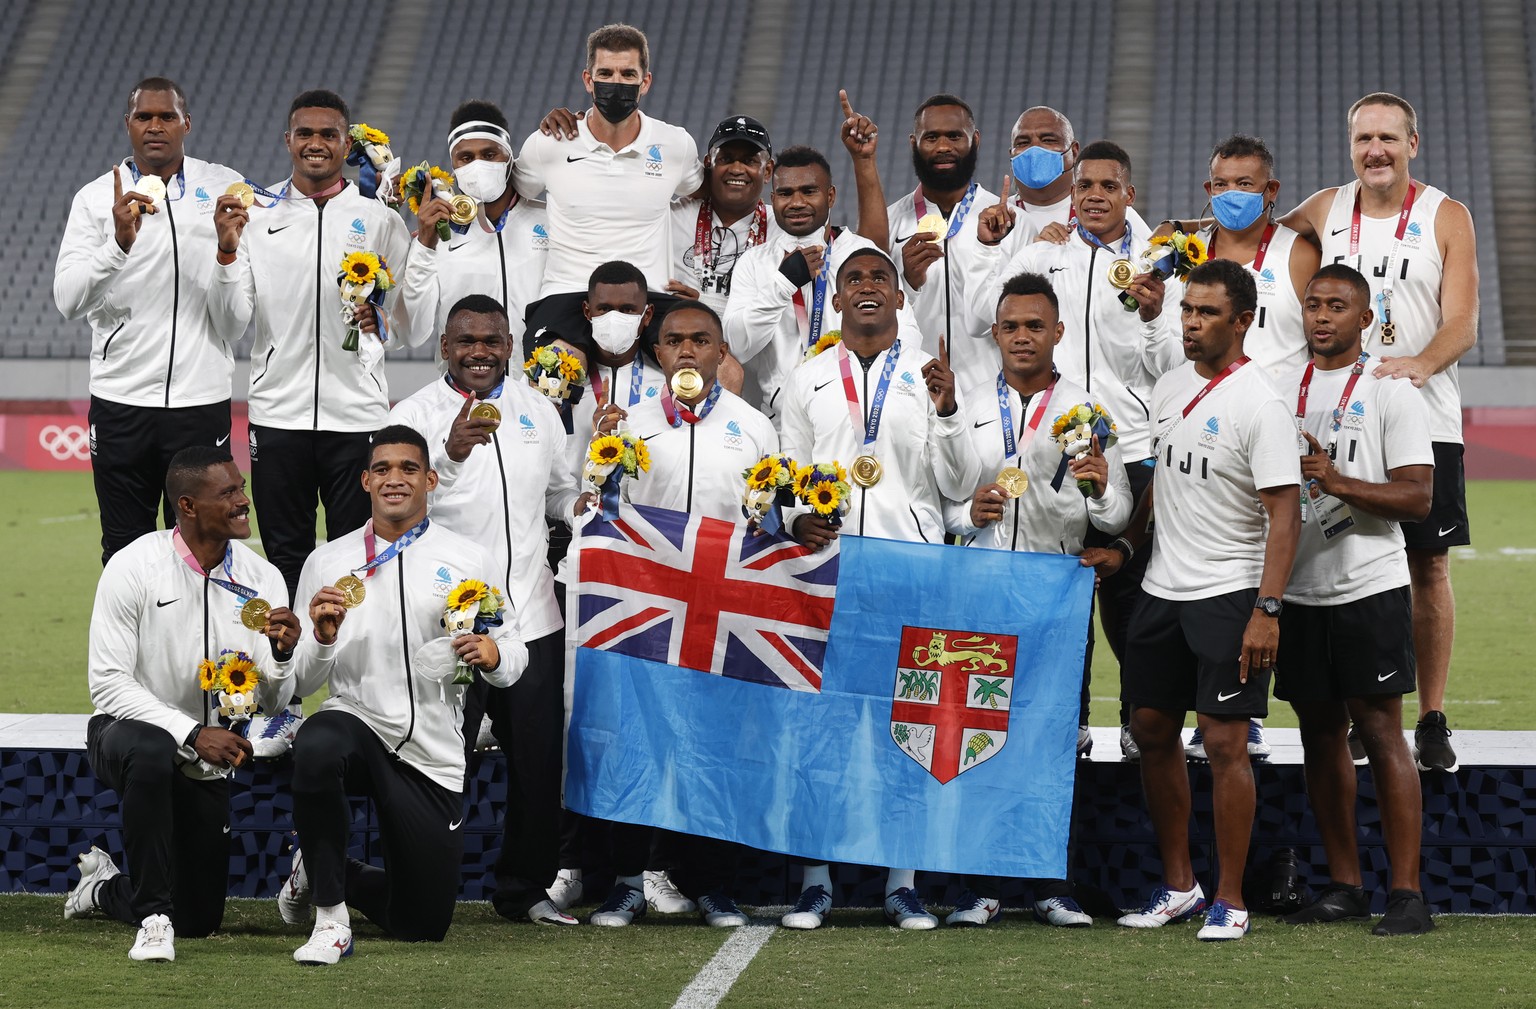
{"x": 420, "y": 827}
{"x": 290, "y": 471}
{"x": 1117, "y": 596}
{"x": 528, "y": 720}
{"x": 175, "y": 829}
{"x": 131, "y": 448}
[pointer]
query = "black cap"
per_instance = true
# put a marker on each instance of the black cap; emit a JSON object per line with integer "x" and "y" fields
{"x": 741, "y": 128}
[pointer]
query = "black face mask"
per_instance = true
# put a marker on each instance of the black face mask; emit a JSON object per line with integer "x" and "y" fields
{"x": 615, "y": 102}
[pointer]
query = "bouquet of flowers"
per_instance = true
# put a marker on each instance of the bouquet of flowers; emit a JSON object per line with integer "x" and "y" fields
{"x": 370, "y": 152}
{"x": 1074, "y": 431}
{"x": 422, "y": 183}
{"x": 1168, "y": 256}
{"x": 610, "y": 458}
{"x": 363, "y": 279}
{"x": 233, "y": 677}
{"x": 824, "y": 487}
{"x": 473, "y": 607}
{"x": 770, "y": 486}
{"x": 830, "y": 338}
{"x": 554, "y": 372}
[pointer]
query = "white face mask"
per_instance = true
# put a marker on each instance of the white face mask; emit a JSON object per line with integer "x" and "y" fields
{"x": 616, "y": 332}
{"x": 483, "y": 181}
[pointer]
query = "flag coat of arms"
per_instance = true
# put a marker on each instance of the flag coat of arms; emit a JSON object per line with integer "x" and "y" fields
{"x": 882, "y": 703}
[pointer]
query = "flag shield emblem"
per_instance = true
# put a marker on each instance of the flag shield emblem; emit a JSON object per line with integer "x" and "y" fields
{"x": 951, "y": 697}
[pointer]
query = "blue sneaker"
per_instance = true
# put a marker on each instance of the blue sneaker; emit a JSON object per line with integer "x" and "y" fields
{"x": 624, "y": 904}
{"x": 271, "y": 736}
{"x": 1224, "y": 922}
{"x": 1258, "y": 749}
{"x": 810, "y": 910}
{"x": 904, "y": 909}
{"x": 1195, "y": 748}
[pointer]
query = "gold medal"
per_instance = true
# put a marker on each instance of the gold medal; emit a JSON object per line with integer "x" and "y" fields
{"x": 243, "y": 192}
{"x": 254, "y": 613}
{"x": 866, "y": 471}
{"x": 488, "y": 412}
{"x": 687, "y": 383}
{"x": 463, "y": 209}
{"x": 352, "y": 590}
{"x": 934, "y": 223}
{"x": 1013, "y": 481}
{"x": 1388, "y": 334}
{"x": 1121, "y": 273}
{"x": 151, "y": 187}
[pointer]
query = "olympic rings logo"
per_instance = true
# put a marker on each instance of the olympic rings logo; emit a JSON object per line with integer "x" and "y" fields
{"x": 65, "y": 443}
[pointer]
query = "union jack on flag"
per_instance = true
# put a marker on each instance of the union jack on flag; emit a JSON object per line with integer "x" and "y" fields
{"x": 705, "y": 594}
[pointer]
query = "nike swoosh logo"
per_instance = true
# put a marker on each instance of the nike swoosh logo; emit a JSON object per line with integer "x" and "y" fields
{"x": 456, "y": 248}
{"x": 1383, "y": 679}
{"x": 569, "y": 159}
{"x": 1164, "y": 420}
{"x": 1057, "y": 269}
{"x": 1449, "y": 529}
{"x": 221, "y": 441}
{"x": 1227, "y": 697}
{"x": 455, "y": 824}
{"x": 226, "y": 828}
{"x": 984, "y": 423}
{"x": 648, "y": 437}
{"x": 904, "y": 241}
{"x": 168, "y": 602}
{"x": 823, "y": 385}
{"x": 273, "y": 231}
{"x": 1338, "y": 231}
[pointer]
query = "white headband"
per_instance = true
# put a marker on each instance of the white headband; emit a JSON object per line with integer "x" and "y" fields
{"x": 479, "y": 129}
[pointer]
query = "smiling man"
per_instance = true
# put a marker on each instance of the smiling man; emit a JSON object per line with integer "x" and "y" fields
{"x": 1417, "y": 249}
{"x": 499, "y": 478}
{"x": 390, "y": 729}
{"x": 166, "y": 603}
{"x": 137, "y": 267}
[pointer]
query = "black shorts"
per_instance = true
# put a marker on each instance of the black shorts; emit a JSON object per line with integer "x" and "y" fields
{"x": 1446, "y": 525}
{"x": 1182, "y": 655}
{"x": 1358, "y": 649}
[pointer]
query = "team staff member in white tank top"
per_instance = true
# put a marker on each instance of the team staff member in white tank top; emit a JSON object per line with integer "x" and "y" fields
{"x": 1417, "y": 249}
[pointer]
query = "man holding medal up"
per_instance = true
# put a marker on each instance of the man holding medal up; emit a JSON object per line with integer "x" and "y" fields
{"x": 167, "y": 603}
{"x": 903, "y": 442}
{"x": 1417, "y": 249}
{"x": 390, "y": 728}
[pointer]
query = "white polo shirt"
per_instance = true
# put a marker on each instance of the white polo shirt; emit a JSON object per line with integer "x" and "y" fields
{"x": 609, "y": 205}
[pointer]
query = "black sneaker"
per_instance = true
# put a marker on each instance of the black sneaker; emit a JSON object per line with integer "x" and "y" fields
{"x": 1407, "y": 914}
{"x": 1432, "y": 744}
{"x": 1357, "y": 747}
{"x": 1337, "y": 902}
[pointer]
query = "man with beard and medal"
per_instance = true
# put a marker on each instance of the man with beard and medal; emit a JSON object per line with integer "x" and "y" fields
{"x": 500, "y": 253}
{"x": 885, "y": 410}
{"x": 933, "y": 236}
{"x": 609, "y": 179}
{"x": 166, "y": 603}
{"x": 499, "y": 449}
{"x": 701, "y": 438}
{"x": 1417, "y": 248}
{"x": 390, "y": 729}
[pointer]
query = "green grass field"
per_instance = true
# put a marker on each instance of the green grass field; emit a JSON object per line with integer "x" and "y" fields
{"x": 855, "y": 961}
{"x": 50, "y": 542}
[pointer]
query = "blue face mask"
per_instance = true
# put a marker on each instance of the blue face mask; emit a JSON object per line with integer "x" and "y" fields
{"x": 1236, "y": 209}
{"x": 1037, "y": 167}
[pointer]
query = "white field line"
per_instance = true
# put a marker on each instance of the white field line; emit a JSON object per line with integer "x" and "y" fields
{"x": 715, "y": 978}
{"x": 77, "y": 517}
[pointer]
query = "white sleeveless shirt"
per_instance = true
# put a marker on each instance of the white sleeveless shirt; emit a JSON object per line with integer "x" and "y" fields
{"x": 1276, "y": 340}
{"x": 1415, "y": 293}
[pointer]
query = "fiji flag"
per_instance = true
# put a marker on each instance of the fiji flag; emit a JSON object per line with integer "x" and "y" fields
{"x": 893, "y": 704}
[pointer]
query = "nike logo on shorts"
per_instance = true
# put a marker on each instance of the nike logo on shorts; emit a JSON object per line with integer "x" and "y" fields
{"x": 456, "y": 823}
{"x": 1383, "y": 679}
{"x": 226, "y": 828}
{"x": 1449, "y": 529}
{"x": 1223, "y": 698}
{"x": 221, "y": 441}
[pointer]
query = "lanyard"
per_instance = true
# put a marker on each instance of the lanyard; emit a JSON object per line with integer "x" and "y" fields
{"x": 229, "y": 583}
{"x": 636, "y": 371}
{"x": 1125, "y": 243}
{"x": 819, "y": 292}
{"x": 957, "y": 216}
{"x": 703, "y": 242}
{"x": 679, "y": 413}
{"x": 1005, "y": 408}
{"x": 390, "y": 552}
{"x": 282, "y": 194}
{"x": 870, "y": 427}
{"x": 1221, "y": 376}
{"x": 1258, "y": 257}
{"x": 1384, "y": 299}
{"x": 1338, "y": 411}
{"x": 493, "y": 394}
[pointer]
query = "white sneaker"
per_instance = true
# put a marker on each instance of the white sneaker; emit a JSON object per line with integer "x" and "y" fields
{"x": 1224, "y": 922}
{"x": 566, "y": 891}
{"x": 1195, "y": 748}
{"x": 624, "y": 905}
{"x": 663, "y": 896}
{"x": 973, "y": 911}
{"x": 1258, "y": 747}
{"x": 96, "y": 867}
{"x": 1165, "y": 907}
{"x": 546, "y": 913}
{"x": 1063, "y": 912}
{"x": 810, "y": 910}
{"x": 1128, "y": 748}
{"x": 720, "y": 911}
{"x": 293, "y": 897}
{"x": 156, "y": 940}
{"x": 272, "y": 736}
{"x": 904, "y": 909}
{"x": 328, "y": 943}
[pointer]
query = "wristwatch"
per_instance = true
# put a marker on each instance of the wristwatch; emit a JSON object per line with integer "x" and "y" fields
{"x": 1268, "y": 605}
